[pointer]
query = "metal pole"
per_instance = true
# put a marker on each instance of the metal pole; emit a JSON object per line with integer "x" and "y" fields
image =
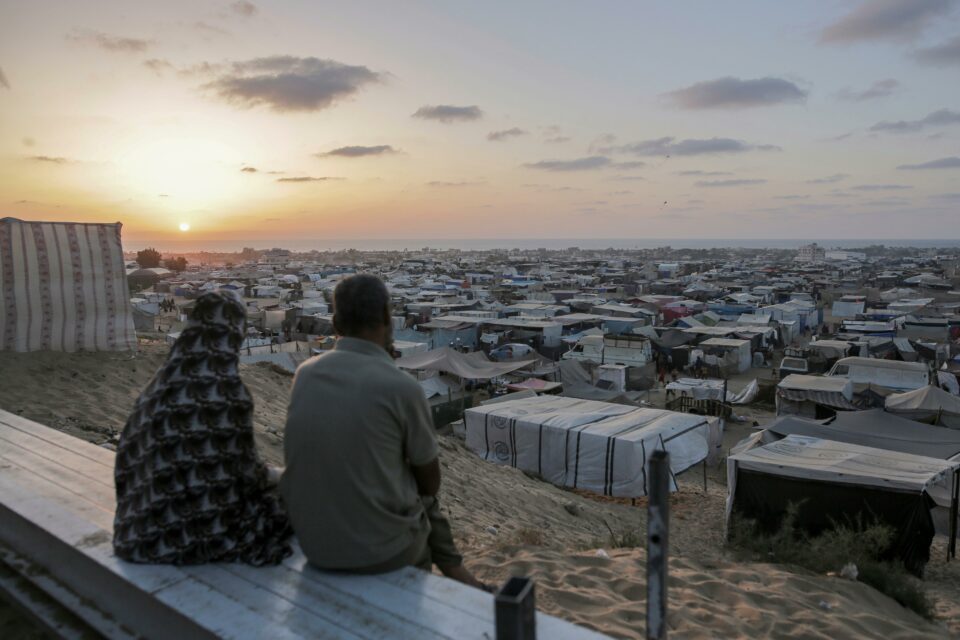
{"x": 658, "y": 529}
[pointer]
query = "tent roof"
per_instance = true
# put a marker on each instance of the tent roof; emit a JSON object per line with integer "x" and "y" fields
{"x": 841, "y": 462}
{"x": 472, "y": 366}
{"x": 929, "y": 398}
{"x": 875, "y": 428}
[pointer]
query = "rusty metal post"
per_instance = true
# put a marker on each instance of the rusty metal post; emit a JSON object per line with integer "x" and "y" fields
{"x": 658, "y": 539}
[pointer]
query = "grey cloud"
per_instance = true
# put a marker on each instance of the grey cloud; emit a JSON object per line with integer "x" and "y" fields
{"x": 944, "y": 54}
{"x": 939, "y": 118}
{"x": 496, "y": 136}
{"x": 627, "y": 166}
{"x": 697, "y": 172}
{"x": 3, "y": 80}
{"x": 734, "y": 93}
{"x": 50, "y": 159}
{"x": 879, "y": 89}
{"x": 117, "y": 44}
{"x": 728, "y": 183}
{"x": 210, "y": 29}
{"x": 307, "y": 179}
{"x": 791, "y": 197}
{"x": 942, "y": 163}
{"x": 603, "y": 141}
{"x": 158, "y": 65}
{"x": 28, "y": 142}
{"x": 667, "y": 146}
{"x": 557, "y": 139}
{"x": 837, "y": 177}
{"x": 448, "y": 113}
{"x": 885, "y": 202}
{"x": 442, "y": 184}
{"x": 946, "y": 196}
{"x": 885, "y": 19}
{"x": 244, "y": 8}
{"x": 356, "y": 151}
{"x": 628, "y": 179}
{"x": 249, "y": 170}
{"x": 882, "y": 187}
{"x": 579, "y": 164}
{"x": 289, "y": 83}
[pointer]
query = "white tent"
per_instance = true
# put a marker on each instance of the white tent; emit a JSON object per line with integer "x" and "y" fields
{"x": 63, "y": 287}
{"x": 586, "y": 444}
{"x": 927, "y": 404}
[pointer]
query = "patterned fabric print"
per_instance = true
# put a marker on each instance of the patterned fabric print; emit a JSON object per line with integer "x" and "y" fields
{"x": 190, "y": 487}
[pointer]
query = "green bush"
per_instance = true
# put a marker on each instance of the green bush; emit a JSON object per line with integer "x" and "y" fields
{"x": 862, "y": 543}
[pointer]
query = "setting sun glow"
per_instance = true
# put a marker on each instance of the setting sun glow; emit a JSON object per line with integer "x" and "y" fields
{"x": 184, "y": 226}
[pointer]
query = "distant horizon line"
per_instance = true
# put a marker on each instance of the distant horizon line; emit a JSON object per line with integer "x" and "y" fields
{"x": 302, "y": 245}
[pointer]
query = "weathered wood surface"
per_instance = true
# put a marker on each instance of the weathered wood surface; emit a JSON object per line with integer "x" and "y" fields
{"x": 56, "y": 519}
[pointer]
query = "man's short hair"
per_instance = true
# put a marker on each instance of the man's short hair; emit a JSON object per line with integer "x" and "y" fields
{"x": 360, "y": 302}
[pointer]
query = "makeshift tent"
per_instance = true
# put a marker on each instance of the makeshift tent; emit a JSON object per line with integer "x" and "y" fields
{"x": 590, "y": 445}
{"x": 928, "y": 404}
{"x": 471, "y": 366}
{"x": 63, "y": 287}
{"x": 710, "y": 389}
{"x": 802, "y": 395}
{"x": 832, "y": 482}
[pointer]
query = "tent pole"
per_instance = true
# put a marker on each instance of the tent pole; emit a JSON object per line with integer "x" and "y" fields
{"x": 952, "y": 547}
{"x": 658, "y": 529}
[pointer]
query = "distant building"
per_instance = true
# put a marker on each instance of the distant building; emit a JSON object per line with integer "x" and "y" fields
{"x": 811, "y": 253}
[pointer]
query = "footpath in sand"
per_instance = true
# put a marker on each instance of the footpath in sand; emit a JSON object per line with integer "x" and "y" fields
{"x": 508, "y": 523}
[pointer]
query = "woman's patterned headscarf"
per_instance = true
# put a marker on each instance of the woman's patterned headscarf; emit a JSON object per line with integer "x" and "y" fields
{"x": 190, "y": 486}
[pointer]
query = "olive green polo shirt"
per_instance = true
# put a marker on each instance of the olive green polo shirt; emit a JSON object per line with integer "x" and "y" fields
{"x": 355, "y": 425}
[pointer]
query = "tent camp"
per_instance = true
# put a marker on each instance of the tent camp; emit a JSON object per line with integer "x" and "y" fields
{"x": 928, "y": 404}
{"x": 814, "y": 396}
{"x": 598, "y": 446}
{"x": 63, "y": 287}
{"x": 832, "y": 481}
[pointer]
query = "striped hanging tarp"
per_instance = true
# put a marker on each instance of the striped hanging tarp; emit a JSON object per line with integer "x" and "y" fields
{"x": 63, "y": 287}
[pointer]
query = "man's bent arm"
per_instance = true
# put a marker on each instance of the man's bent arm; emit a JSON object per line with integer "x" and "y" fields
{"x": 428, "y": 477}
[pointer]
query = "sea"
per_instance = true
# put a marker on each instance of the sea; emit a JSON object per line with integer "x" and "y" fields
{"x": 481, "y": 244}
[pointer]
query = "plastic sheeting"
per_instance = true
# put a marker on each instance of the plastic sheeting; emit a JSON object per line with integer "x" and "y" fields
{"x": 591, "y": 445}
{"x": 472, "y": 366}
{"x": 928, "y": 404}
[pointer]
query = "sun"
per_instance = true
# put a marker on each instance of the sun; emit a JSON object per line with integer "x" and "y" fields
{"x": 184, "y": 226}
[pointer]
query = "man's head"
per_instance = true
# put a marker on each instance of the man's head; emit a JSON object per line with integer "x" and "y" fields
{"x": 361, "y": 309}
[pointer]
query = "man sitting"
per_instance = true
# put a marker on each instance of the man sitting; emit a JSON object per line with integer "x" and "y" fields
{"x": 362, "y": 472}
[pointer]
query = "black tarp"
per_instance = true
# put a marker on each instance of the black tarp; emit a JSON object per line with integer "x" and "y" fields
{"x": 764, "y": 498}
{"x": 879, "y": 429}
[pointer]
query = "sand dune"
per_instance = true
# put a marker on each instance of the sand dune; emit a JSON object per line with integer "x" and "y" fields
{"x": 509, "y": 523}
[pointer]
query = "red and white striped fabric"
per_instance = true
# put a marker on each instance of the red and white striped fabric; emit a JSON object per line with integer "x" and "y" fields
{"x": 63, "y": 287}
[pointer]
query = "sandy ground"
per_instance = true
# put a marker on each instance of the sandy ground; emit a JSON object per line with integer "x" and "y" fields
{"x": 508, "y": 523}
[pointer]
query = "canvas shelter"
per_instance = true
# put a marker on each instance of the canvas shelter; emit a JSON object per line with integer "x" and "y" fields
{"x": 469, "y": 366}
{"x": 813, "y": 396}
{"x": 928, "y": 404}
{"x": 598, "y": 446}
{"x": 832, "y": 481}
{"x": 63, "y": 287}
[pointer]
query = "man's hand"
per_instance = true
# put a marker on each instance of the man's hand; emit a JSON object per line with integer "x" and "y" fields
{"x": 428, "y": 477}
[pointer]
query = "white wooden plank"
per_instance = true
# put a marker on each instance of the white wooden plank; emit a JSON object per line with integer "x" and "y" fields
{"x": 69, "y": 458}
{"x": 81, "y": 447}
{"x": 223, "y": 617}
{"x": 318, "y": 597}
{"x": 93, "y": 490}
{"x": 330, "y": 621}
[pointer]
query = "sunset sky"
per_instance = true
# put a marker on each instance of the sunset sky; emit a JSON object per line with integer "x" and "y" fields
{"x": 274, "y": 123}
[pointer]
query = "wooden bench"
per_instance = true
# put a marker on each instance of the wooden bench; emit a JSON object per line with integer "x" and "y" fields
{"x": 56, "y": 523}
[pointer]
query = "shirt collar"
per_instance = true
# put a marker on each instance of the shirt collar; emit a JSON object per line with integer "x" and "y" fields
{"x": 361, "y": 346}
